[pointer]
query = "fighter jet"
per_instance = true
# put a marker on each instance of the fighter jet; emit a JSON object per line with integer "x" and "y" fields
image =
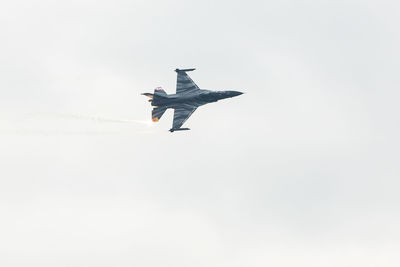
{"x": 185, "y": 101}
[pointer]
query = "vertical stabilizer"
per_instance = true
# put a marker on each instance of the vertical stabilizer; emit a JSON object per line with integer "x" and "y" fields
{"x": 159, "y": 91}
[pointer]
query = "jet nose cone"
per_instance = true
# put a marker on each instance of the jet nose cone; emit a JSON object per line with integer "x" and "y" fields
{"x": 234, "y": 93}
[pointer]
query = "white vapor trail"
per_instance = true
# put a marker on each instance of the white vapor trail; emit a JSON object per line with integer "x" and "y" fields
{"x": 21, "y": 125}
{"x": 106, "y": 119}
{"x": 91, "y": 118}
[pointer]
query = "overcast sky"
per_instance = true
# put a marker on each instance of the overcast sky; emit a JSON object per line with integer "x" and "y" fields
{"x": 301, "y": 170}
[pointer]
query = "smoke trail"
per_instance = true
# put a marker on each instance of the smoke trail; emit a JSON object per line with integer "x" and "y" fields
{"x": 22, "y": 125}
{"x": 49, "y": 132}
{"x": 91, "y": 118}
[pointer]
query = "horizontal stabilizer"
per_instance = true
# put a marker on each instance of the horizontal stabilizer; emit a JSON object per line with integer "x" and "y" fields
{"x": 157, "y": 113}
{"x": 178, "y": 70}
{"x": 148, "y": 95}
{"x": 178, "y": 129}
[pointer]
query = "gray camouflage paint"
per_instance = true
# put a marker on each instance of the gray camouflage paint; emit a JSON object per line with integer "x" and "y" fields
{"x": 187, "y": 99}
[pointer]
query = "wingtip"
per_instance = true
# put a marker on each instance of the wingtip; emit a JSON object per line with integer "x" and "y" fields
{"x": 178, "y": 129}
{"x": 184, "y": 70}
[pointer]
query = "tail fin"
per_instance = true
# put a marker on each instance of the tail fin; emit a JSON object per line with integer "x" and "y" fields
{"x": 159, "y": 91}
{"x": 157, "y": 113}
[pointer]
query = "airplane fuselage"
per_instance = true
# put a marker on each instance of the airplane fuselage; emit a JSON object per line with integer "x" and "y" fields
{"x": 198, "y": 98}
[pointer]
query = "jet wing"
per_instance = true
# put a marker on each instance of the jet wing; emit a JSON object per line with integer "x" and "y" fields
{"x": 184, "y": 83}
{"x": 181, "y": 114}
